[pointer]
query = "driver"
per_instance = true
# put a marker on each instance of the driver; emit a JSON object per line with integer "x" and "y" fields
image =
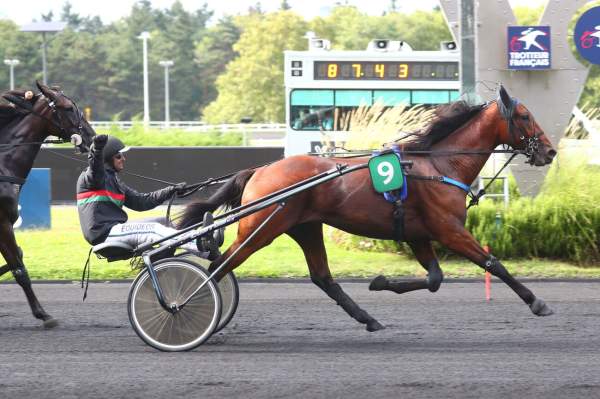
{"x": 101, "y": 196}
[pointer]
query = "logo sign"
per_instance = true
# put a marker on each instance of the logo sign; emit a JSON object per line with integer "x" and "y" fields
{"x": 587, "y": 35}
{"x": 529, "y": 47}
{"x": 386, "y": 173}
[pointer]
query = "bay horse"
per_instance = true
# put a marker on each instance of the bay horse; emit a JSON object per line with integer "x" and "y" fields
{"x": 455, "y": 144}
{"x": 25, "y": 123}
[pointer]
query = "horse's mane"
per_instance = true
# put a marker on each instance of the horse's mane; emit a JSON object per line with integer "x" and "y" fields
{"x": 447, "y": 119}
{"x": 9, "y": 113}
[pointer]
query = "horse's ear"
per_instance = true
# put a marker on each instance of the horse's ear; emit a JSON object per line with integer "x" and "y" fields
{"x": 44, "y": 89}
{"x": 504, "y": 97}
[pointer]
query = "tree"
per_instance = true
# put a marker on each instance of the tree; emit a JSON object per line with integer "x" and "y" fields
{"x": 25, "y": 47}
{"x": 213, "y": 54}
{"x": 284, "y": 5}
{"x": 252, "y": 84}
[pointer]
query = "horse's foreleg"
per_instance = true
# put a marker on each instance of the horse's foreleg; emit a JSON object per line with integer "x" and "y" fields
{"x": 14, "y": 259}
{"x": 463, "y": 243}
{"x": 426, "y": 257}
{"x": 310, "y": 238}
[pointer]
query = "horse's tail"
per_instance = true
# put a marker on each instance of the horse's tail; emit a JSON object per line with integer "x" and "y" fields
{"x": 229, "y": 196}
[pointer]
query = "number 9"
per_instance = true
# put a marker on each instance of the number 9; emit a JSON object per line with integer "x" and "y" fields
{"x": 385, "y": 169}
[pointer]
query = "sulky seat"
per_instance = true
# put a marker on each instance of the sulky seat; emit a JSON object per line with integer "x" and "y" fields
{"x": 113, "y": 250}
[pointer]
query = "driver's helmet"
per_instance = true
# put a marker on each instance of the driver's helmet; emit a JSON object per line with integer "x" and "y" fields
{"x": 112, "y": 147}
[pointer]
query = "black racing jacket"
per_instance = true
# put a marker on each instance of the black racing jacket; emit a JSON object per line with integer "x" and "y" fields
{"x": 101, "y": 196}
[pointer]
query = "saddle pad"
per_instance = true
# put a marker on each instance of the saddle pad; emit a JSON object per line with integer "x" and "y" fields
{"x": 386, "y": 172}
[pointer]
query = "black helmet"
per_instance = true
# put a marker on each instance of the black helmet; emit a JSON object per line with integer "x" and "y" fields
{"x": 112, "y": 147}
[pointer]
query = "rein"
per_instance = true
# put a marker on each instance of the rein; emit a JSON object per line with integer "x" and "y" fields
{"x": 189, "y": 189}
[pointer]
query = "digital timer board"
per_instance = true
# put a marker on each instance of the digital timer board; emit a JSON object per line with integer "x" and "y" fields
{"x": 385, "y": 70}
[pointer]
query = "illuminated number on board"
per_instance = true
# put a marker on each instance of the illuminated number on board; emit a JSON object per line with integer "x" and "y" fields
{"x": 332, "y": 70}
{"x": 403, "y": 72}
{"x": 385, "y": 169}
{"x": 357, "y": 70}
{"x": 380, "y": 70}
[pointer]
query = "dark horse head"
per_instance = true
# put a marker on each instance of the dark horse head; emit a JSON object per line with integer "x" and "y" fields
{"x": 522, "y": 131}
{"x": 60, "y": 115}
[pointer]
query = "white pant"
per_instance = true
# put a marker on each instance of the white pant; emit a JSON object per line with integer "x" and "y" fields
{"x": 136, "y": 234}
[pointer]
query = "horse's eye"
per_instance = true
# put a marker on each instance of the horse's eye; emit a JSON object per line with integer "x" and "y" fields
{"x": 525, "y": 118}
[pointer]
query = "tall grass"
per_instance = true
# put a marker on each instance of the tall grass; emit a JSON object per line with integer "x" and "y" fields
{"x": 371, "y": 127}
{"x": 562, "y": 222}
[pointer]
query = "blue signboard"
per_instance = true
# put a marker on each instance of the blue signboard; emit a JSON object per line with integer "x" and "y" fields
{"x": 587, "y": 35}
{"x": 34, "y": 201}
{"x": 529, "y": 47}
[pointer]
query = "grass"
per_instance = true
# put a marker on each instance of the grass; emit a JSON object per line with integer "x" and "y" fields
{"x": 59, "y": 254}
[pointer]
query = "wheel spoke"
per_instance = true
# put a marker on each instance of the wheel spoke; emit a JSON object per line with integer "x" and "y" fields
{"x": 192, "y": 324}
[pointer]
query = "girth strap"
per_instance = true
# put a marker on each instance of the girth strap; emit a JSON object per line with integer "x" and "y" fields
{"x": 12, "y": 179}
{"x": 399, "y": 233}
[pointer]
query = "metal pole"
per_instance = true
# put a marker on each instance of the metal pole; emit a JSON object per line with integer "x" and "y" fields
{"x": 167, "y": 114}
{"x": 467, "y": 50}
{"x": 44, "y": 72}
{"x": 145, "y": 36}
{"x": 12, "y": 76}
{"x": 11, "y": 65}
{"x": 167, "y": 64}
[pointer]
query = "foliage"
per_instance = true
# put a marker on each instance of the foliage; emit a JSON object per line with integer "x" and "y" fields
{"x": 252, "y": 85}
{"x": 213, "y": 53}
{"x": 229, "y": 70}
{"x": 527, "y": 15}
{"x": 100, "y": 65}
{"x": 138, "y": 136}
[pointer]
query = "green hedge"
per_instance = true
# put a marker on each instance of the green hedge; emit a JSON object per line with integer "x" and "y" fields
{"x": 138, "y": 136}
{"x": 562, "y": 222}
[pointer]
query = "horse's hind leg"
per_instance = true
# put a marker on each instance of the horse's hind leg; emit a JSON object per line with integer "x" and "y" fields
{"x": 426, "y": 257}
{"x": 310, "y": 238}
{"x": 14, "y": 259}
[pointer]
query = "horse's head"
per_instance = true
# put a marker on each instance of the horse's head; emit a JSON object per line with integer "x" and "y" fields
{"x": 60, "y": 114}
{"x": 523, "y": 132}
{"x": 66, "y": 119}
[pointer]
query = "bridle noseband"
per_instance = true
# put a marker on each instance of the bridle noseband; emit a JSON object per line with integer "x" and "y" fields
{"x": 532, "y": 143}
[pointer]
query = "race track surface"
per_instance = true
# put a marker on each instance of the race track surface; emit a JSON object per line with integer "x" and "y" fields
{"x": 290, "y": 340}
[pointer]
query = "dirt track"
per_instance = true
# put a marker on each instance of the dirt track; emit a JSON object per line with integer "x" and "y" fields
{"x": 290, "y": 340}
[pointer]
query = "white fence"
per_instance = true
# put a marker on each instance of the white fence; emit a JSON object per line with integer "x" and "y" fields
{"x": 193, "y": 126}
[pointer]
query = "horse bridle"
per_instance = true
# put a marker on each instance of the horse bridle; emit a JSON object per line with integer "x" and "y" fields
{"x": 56, "y": 121}
{"x": 532, "y": 143}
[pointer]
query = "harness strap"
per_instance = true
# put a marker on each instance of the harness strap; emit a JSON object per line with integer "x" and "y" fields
{"x": 87, "y": 268}
{"x": 475, "y": 198}
{"x": 12, "y": 179}
{"x": 442, "y": 179}
{"x": 399, "y": 221}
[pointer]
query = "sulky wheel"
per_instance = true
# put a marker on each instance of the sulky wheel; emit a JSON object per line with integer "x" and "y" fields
{"x": 188, "y": 327}
{"x": 228, "y": 287}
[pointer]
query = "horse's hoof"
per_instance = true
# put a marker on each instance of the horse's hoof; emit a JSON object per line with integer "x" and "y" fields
{"x": 374, "y": 325}
{"x": 50, "y": 323}
{"x": 539, "y": 308}
{"x": 378, "y": 283}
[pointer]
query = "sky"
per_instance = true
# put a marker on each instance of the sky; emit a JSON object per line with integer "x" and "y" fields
{"x": 24, "y": 11}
